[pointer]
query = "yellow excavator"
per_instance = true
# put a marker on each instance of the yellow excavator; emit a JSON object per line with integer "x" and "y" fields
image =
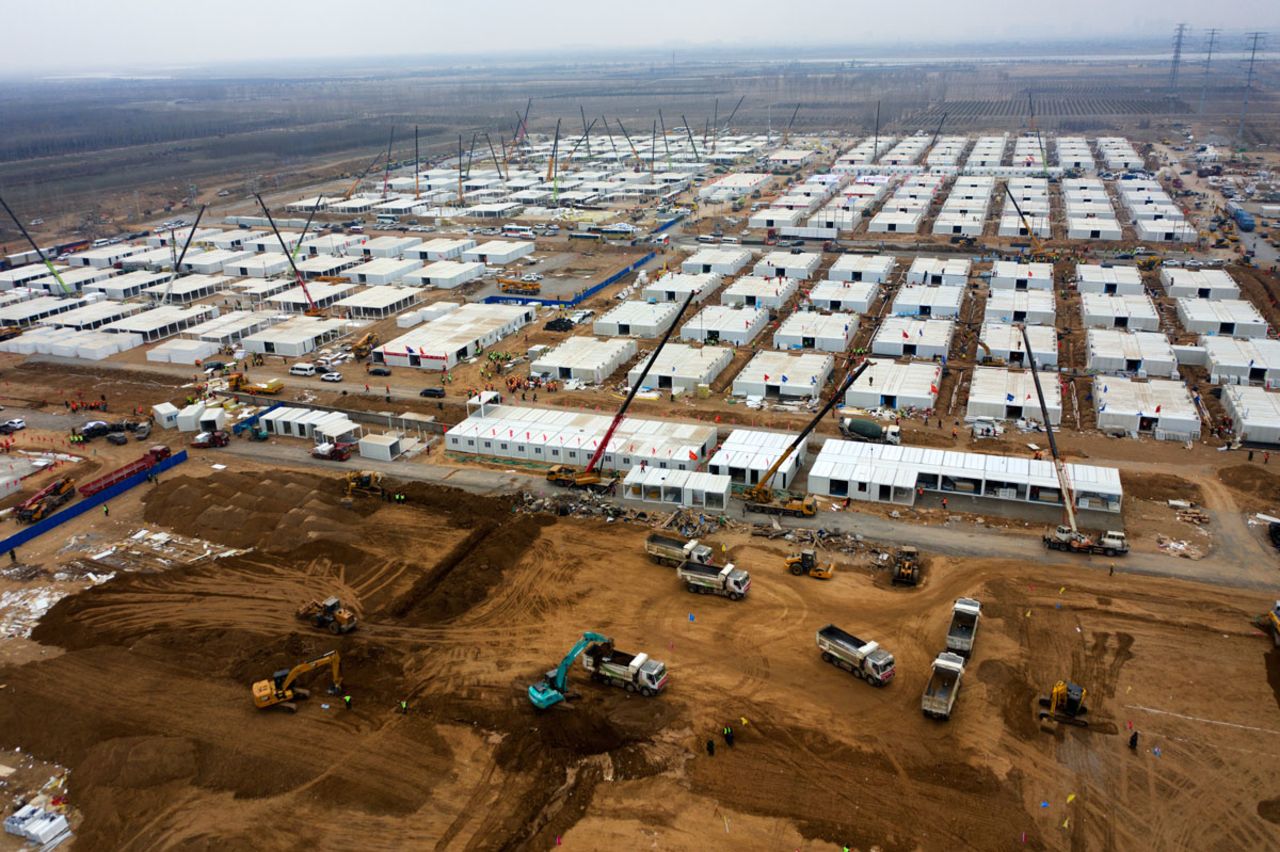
{"x": 363, "y": 347}
{"x": 1065, "y": 704}
{"x": 806, "y": 562}
{"x": 364, "y": 482}
{"x": 279, "y": 690}
{"x": 760, "y": 497}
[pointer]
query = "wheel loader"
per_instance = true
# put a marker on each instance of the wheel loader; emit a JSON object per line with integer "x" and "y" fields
{"x": 328, "y": 614}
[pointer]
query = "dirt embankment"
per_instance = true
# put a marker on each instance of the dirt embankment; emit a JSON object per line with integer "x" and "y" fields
{"x": 1159, "y": 487}
{"x": 1257, "y": 486}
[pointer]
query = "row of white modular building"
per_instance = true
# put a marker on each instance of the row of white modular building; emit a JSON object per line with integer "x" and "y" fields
{"x": 892, "y": 474}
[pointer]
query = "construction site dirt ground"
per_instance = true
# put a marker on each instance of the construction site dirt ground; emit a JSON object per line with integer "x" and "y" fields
{"x": 143, "y": 692}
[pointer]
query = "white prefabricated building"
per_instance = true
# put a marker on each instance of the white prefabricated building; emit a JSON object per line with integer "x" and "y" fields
{"x": 782, "y": 375}
{"x": 441, "y": 343}
{"x": 446, "y": 274}
{"x": 676, "y": 287}
{"x": 1141, "y": 353}
{"x": 295, "y": 337}
{"x": 1004, "y": 394}
{"x": 637, "y": 319}
{"x": 755, "y": 292}
{"x": 1161, "y": 407}
{"x": 1003, "y": 341}
{"x": 499, "y": 252}
{"x": 1241, "y": 362}
{"x": 690, "y": 489}
{"x": 896, "y": 385}
{"x": 1110, "y": 280}
{"x": 891, "y": 474}
{"x": 813, "y": 330}
{"x": 380, "y": 270}
{"x": 1008, "y": 275}
{"x": 746, "y": 455}
{"x": 1136, "y": 313}
{"x": 781, "y": 264}
{"x": 1255, "y": 413}
{"x": 862, "y": 267}
{"x": 1228, "y": 317}
{"x": 719, "y": 260}
{"x": 564, "y": 436}
{"x": 587, "y": 359}
{"x": 926, "y": 339}
{"x": 920, "y": 301}
{"x": 724, "y": 324}
{"x": 1034, "y": 307}
{"x": 953, "y": 272}
{"x": 855, "y": 296}
{"x": 681, "y": 368}
{"x": 1213, "y": 284}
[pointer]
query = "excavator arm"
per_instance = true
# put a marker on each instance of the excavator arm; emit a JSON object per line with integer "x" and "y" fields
{"x": 551, "y": 690}
{"x": 762, "y": 492}
{"x": 330, "y": 658}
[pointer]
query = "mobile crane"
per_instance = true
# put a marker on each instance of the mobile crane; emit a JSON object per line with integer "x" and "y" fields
{"x": 279, "y": 690}
{"x": 313, "y": 310}
{"x": 760, "y": 497}
{"x": 552, "y": 689}
{"x": 590, "y": 477}
{"x": 1038, "y": 252}
{"x": 1068, "y": 536}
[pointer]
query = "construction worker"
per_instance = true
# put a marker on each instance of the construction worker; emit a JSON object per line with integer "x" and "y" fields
{"x": 106, "y": 513}
{"x": 404, "y": 708}
{"x": 346, "y": 700}
{"x": 711, "y": 748}
{"x": 1133, "y": 741}
{"x": 728, "y": 736}
{"x": 944, "y": 504}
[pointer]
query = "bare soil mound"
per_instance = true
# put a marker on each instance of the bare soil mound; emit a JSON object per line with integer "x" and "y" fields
{"x": 1253, "y": 481}
{"x": 1159, "y": 487}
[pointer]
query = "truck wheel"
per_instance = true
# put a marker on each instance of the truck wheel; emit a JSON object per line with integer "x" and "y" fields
{"x": 797, "y": 570}
{"x": 857, "y": 673}
{"x": 646, "y": 692}
{"x": 827, "y": 658}
{"x": 630, "y": 687}
{"x": 735, "y": 596}
{"x": 693, "y": 590}
{"x": 335, "y": 628}
{"x": 1110, "y": 551}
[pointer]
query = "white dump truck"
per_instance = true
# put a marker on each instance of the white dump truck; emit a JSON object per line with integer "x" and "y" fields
{"x": 729, "y": 581}
{"x": 964, "y": 626}
{"x": 944, "y": 684}
{"x": 632, "y": 672}
{"x": 866, "y": 660}
{"x": 673, "y": 551}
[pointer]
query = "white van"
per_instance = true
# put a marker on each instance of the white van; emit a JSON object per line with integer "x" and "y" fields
{"x": 302, "y": 369}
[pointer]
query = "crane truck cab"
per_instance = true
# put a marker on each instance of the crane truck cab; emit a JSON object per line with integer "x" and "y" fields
{"x": 1109, "y": 543}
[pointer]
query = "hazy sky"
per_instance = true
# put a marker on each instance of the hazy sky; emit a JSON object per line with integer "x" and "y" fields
{"x": 50, "y": 35}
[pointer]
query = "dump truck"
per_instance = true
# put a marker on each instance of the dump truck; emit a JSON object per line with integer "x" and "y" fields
{"x": 1109, "y": 543}
{"x": 869, "y": 431}
{"x": 154, "y": 456}
{"x": 865, "y": 660}
{"x": 671, "y": 550}
{"x": 333, "y": 451}
{"x": 210, "y": 440}
{"x": 702, "y": 579}
{"x": 964, "y": 626}
{"x": 632, "y": 672}
{"x": 944, "y": 685}
{"x": 238, "y": 382}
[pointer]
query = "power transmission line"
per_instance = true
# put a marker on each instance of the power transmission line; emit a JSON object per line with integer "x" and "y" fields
{"x": 1178, "y": 33}
{"x": 1254, "y": 39}
{"x": 1208, "y": 58}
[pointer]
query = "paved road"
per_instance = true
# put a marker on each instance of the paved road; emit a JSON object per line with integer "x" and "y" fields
{"x": 1238, "y": 559}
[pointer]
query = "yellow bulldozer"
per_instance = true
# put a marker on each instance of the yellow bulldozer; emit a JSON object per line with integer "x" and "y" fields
{"x": 1065, "y": 704}
{"x": 367, "y": 482}
{"x": 279, "y": 690}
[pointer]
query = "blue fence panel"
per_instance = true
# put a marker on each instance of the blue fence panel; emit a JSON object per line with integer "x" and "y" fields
{"x": 250, "y": 422}
{"x": 585, "y": 294}
{"x": 668, "y": 224}
{"x": 75, "y": 510}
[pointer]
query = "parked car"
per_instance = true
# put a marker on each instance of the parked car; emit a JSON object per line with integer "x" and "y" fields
{"x": 94, "y": 429}
{"x": 331, "y": 376}
{"x": 379, "y": 371}
{"x": 142, "y": 431}
{"x": 10, "y": 426}
{"x": 118, "y": 438}
{"x": 434, "y": 393}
